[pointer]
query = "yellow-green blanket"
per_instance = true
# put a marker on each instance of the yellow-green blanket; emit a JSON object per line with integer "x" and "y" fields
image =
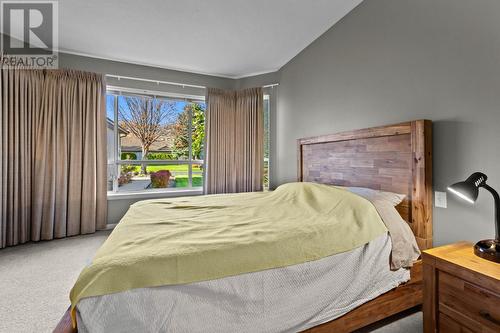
{"x": 183, "y": 240}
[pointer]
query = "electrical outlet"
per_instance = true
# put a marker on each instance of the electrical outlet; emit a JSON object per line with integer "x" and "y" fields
{"x": 440, "y": 199}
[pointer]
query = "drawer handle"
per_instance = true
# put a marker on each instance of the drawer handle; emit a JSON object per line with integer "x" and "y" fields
{"x": 486, "y": 315}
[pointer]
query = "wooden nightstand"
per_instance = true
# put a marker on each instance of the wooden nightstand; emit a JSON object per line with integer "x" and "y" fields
{"x": 461, "y": 290}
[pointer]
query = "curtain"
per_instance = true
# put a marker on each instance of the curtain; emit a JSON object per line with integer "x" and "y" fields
{"x": 53, "y": 147}
{"x": 234, "y": 141}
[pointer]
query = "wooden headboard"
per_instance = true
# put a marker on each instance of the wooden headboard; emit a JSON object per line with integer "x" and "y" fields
{"x": 395, "y": 158}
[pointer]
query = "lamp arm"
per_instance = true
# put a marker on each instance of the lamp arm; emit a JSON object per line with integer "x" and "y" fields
{"x": 496, "y": 197}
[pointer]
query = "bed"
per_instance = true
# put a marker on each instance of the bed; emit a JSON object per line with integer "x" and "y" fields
{"x": 393, "y": 158}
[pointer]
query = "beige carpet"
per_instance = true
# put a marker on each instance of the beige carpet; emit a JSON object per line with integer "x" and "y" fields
{"x": 35, "y": 280}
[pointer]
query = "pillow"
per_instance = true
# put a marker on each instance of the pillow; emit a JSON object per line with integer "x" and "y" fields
{"x": 393, "y": 198}
{"x": 404, "y": 245}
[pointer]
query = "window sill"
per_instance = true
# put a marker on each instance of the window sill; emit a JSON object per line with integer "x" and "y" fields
{"x": 151, "y": 194}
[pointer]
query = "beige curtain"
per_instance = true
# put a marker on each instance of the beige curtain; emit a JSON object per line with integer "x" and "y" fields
{"x": 20, "y": 96}
{"x": 53, "y": 145}
{"x": 234, "y": 141}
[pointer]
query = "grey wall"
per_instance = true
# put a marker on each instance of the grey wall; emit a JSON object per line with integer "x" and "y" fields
{"x": 396, "y": 60}
{"x": 257, "y": 81}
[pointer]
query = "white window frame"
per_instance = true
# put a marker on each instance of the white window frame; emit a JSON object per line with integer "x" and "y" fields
{"x": 118, "y": 162}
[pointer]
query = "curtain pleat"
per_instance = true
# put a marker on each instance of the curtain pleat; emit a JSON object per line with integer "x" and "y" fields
{"x": 234, "y": 141}
{"x": 75, "y": 173}
{"x": 53, "y": 148}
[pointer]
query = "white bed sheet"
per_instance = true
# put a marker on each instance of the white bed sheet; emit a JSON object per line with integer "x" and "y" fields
{"x": 288, "y": 299}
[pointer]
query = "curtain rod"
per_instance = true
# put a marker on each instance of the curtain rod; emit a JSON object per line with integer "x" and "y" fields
{"x": 183, "y": 85}
{"x": 155, "y": 81}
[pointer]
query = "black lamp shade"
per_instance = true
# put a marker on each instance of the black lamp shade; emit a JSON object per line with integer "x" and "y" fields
{"x": 469, "y": 189}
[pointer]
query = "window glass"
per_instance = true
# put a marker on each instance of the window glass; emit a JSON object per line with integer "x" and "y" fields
{"x": 198, "y": 141}
{"x": 157, "y": 136}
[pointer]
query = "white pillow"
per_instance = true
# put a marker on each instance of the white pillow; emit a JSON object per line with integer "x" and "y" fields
{"x": 371, "y": 194}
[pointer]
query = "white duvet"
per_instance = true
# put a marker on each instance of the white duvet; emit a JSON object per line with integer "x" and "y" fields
{"x": 289, "y": 299}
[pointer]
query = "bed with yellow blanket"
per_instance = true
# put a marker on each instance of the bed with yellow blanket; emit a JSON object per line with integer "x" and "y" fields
{"x": 179, "y": 244}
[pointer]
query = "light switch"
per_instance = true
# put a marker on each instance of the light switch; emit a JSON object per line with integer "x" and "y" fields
{"x": 440, "y": 199}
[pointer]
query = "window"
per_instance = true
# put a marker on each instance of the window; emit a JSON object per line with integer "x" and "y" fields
{"x": 155, "y": 143}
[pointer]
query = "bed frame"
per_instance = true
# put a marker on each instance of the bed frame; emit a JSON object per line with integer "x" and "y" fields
{"x": 395, "y": 158}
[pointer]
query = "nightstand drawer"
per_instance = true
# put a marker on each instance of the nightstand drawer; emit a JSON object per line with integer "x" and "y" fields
{"x": 468, "y": 304}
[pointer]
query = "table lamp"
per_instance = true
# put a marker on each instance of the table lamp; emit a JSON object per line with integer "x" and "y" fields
{"x": 469, "y": 190}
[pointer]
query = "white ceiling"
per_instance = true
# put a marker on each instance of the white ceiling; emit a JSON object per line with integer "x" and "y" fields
{"x": 230, "y": 38}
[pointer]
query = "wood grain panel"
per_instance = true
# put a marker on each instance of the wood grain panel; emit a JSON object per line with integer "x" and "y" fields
{"x": 381, "y": 163}
{"x": 449, "y": 325}
{"x": 421, "y": 208}
{"x": 429, "y": 298}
